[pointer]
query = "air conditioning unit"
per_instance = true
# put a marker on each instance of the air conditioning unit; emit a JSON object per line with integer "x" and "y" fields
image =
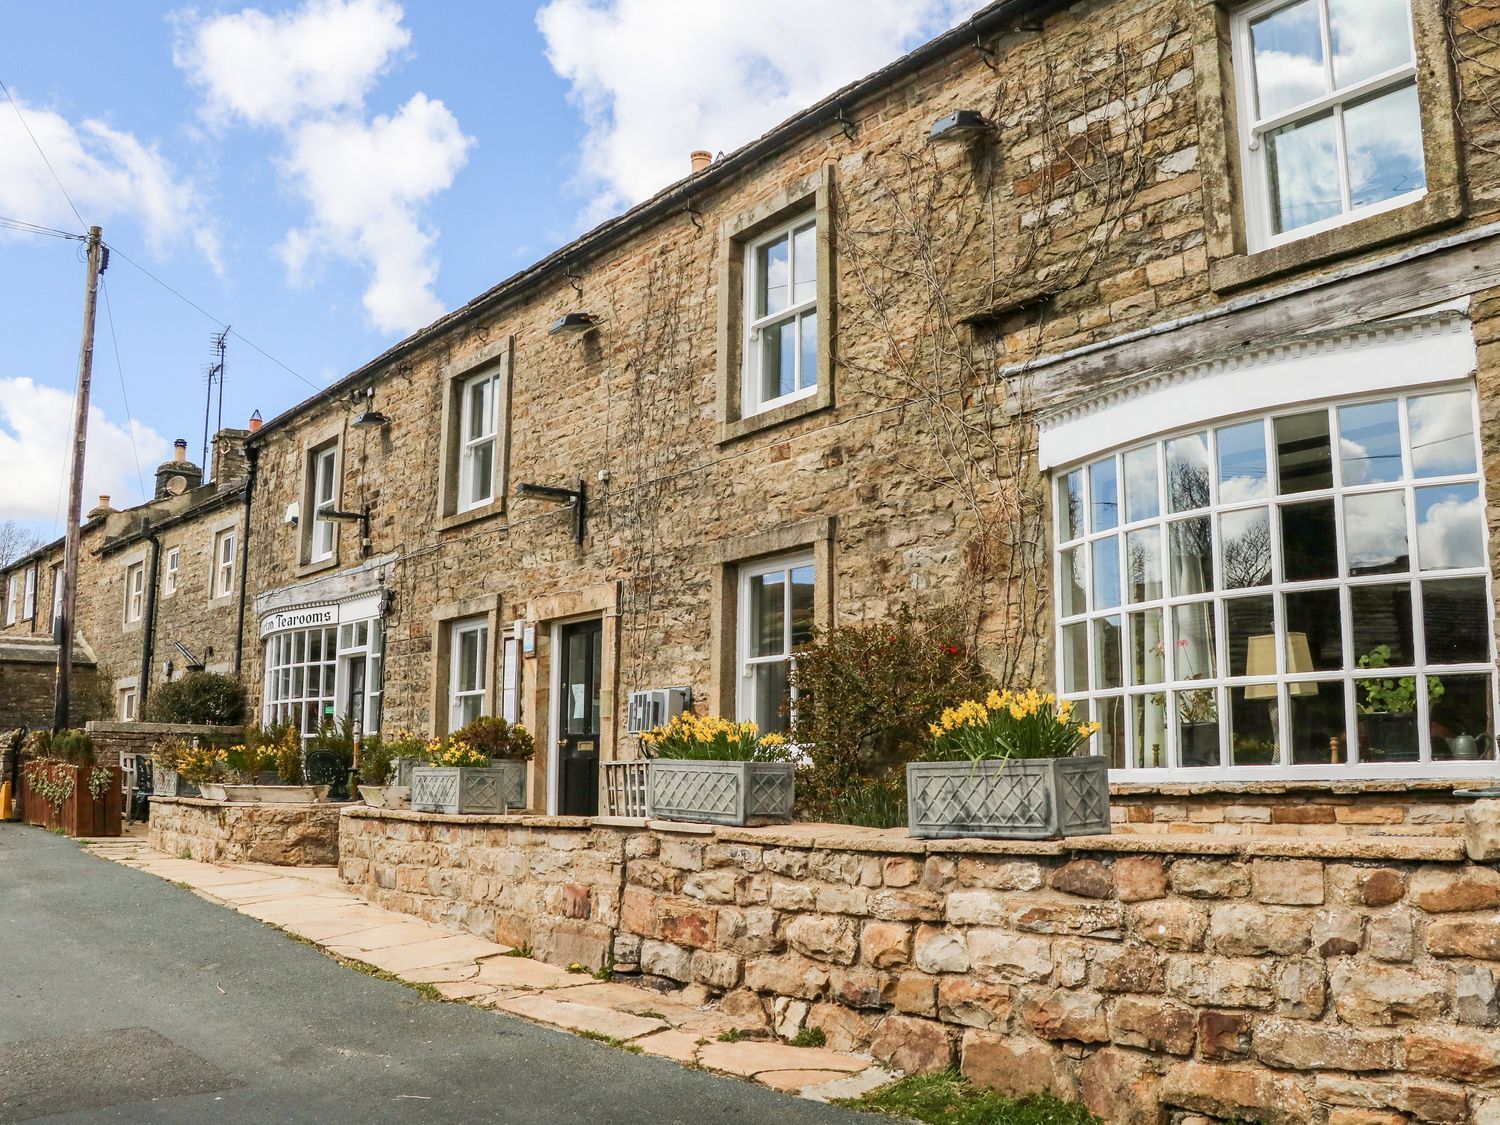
{"x": 656, "y": 708}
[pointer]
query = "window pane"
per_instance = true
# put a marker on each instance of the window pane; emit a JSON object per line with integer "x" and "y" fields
{"x": 1107, "y": 654}
{"x": 805, "y": 252}
{"x": 1148, "y": 648}
{"x": 1143, "y": 564}
{"x": 1450, "y": 527}
{"x": 1192, "y": 556}
{"x": 1070, "y": 595}
{"x": 1149, "y": 713}
{"x": 768, "y": 614}
{"x": 481, "y": 471}
{"x": 769, "y": 695}
{"x": 1075, "y": 654}
{"x": 1463, "y": 724}
{"x": 1442, "y": 434}
{"x": 1456, "y": 621}
{"x": 1383, "y": 137}
{"x": 771, "y": 270}
{"x": 1196, "y": 646}
{"x": 470, "y": 660}
{"x": 1252, "y": 636}
{"x": 478, "y": 409}
{"x": 1142, "y": 489}
{"x": 1302, "y": 162}
{"x": 1381, "y": 615}
{"x": 1242, "y": 462}
{"x": 1375, "y": 533}
{"x": 1187, "y": 473}
{"x": 1319, "y": 734}
{"x": 1387, "y": 719}
{"x": 1070, "y": 504}
{"x": 1110, "y": 741}
{"x": 778, "y": 357}
{"x": 808, "y": 373}
{"x": 1246, "y": 546}
{"x": 1370, "y": 443}
{"x": 1288, "y": 49}
{"x": 1309, "y": 542}
{"x": 1198, "y": 727}
{"x": 1314, "y": 631}
{"x": 1105, "y": 554}
{"x": 1369, "y": 37}
{"x": 1104, "y": 496}
{"x": 468, "y": 709}
{"x": 1304, "y": 458}
{"x": 802, "y": 605}
{"x": 1252, "y": 725}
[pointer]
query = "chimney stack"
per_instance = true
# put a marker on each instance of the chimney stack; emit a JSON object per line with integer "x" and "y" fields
{"x": 178, "y": 475}
{"x": 701, "y": 159}
{"x": 103, "y": 509}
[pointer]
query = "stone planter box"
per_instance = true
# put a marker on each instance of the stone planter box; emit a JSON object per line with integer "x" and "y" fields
{"x": 164, "y": 783}
{"x": 212, "y": 791}
{"x": 404, "y": 766}
{"x": 1029, "y": 799}
{"x": 276, "y": 794}
{"x": 386, "y": 796}
{"x": 469, "y": 789}
{"x": 734, "y": 793}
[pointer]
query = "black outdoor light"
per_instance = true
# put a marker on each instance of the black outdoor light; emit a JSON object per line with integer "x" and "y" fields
{"x": 572, "y": 323}
{"x": 960, "y": 125}
{"x": 369, "y": 418}
{"x": 578, "y": 497}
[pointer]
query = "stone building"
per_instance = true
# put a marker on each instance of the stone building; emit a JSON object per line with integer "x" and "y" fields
{"x": 159, "y": 590}
{"x": 1159, "y": 338}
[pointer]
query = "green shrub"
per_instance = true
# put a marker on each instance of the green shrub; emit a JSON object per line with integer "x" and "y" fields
{"x": 72, "y": 746}
{"x": 495, "y": 738}
{"x": 880, "y": 803}
{"x": 199, "y": 698}
{"x": 281, "y": 744}
{"x": 948, "y": 1098}
{"x": 376, "y": 760}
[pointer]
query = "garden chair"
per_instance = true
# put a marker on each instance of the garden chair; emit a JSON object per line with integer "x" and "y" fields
{"x": 325, "y": 767}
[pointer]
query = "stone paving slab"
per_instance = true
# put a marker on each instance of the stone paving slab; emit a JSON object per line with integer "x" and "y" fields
{"x": 312, "y": 903}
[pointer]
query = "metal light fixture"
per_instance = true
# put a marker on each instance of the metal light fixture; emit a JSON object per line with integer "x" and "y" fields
{"x": 363, "y": 516}
{"x": 369, "y": 418}
{"x": 577, "y": 497}
{"x": 573, "y": 322}
{"x": 960, "y": 125}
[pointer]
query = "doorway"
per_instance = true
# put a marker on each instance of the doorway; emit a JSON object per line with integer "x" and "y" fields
{"x": 579, "y": 665}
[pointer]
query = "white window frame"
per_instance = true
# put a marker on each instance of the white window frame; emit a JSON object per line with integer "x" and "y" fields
{"x": 745, "y": 663}
{"x": 324, "y": 496}
{"x": 755, "y": 326}
{"x": 287, "y": 693}
{"x": 458, "y": 693}
{"x": 135, "y": 592}
{"x": 28, "y": 598}
{"x": 12, "y": 597}
{"x": 222, "y": 584}
{"x": 1219, "y": 597}
{"x": 171, "y": 571}
{"x": 1254, "y": 129}
{"x": 510, "y": 680}
{"x": 128, "y": 704}
{"x": 469, "y": 497}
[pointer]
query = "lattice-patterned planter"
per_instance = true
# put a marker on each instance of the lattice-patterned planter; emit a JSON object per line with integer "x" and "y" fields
{"x": 721, "y": 792}
{"x": 469, "y": 789}
{"x": 1029, "y": 799}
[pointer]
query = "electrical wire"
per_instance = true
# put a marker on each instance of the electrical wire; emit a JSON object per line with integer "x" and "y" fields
{"x": 34, "y": 228}
{"x": 15, "y": 105}
{"x": 109, "y": 316}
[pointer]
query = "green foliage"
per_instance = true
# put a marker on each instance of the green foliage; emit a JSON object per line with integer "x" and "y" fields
{"x": 282, "y": 745}
{"x": 1006, "y": 724}
{"x": 338, "y": 737}
{"x": 810, "y": 1037}
{"x": 200, "y": 698}
{"x": 949, "y": 1098}
{"x": 100, "y": 779}
{"x": 376, "y": 760}
{"x": 245, "y": 762}
{"x": 879, "y": 803}
{"x": 167, "y": 752}
{"x": 51, "y": 780}
{"x": 493, "y": 737}
{"x": 696, "y": 738}
{"x": 733, "y": 1035}
{"x": 867, "y": 694}
{"x": 1395, "y": 696}
{"x": 72, "y": 746}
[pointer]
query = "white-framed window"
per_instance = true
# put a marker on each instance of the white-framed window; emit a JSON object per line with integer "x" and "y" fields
{"x": 1304, "y": 592}
{"x": 1331, "y": 130}
{"x": 128, "y": 701}
{"x": 300, "y": 678}
{"x": 468, "y": 664}
{"x": 324, "y": 499}
{"x": 776, "y": 603}
{"x": 57, "y": 596}
{"x": 171, "y": 572}
{"x": 222, "y": 584}
{"x": 28, "y": 597}
{"x": 479, "y": 427}
{"x": 510, "y": 680}
{"x": 12, "y": 598}
{"x": 781, "y": 316}
{"x": 135, "y": 592}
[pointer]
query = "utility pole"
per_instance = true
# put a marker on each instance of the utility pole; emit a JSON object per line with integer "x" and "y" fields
{"x": 63, "y": 633}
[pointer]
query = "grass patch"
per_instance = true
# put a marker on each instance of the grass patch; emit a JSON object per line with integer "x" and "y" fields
{"x": 609, "y": 1040}
{"x": 949, "y": 1098}
{"x": 733, "y": 1035}
{"x": 606, "y": 973}
{"x": 650, "y": 1015}
{"x": 424, "y": 989}
{"x": 518, "y": 951}
{"x": 810, "y": 1037}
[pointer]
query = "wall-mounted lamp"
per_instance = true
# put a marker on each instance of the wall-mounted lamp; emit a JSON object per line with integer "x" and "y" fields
{"x": 578, "y": 497}
{"x": 573, "y": 322}
{"x": 960, "y": 125}
{"x": 369, "y": 418}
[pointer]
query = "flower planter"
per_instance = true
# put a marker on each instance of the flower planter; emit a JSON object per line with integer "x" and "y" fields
{"x": 80, "y": 813}
{"x": 386, "y": 796}
{"x": 734, "y": 793}
{"x": 211, "y": 791}
{"x": 469, "y": 789}
{"x": 1025, "y": 799}
{"x": 164, "y": 782}
{"x": 276, "y": 794}
{"x": 403, "y": 769}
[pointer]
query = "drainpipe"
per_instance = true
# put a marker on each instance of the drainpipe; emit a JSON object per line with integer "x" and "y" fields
{"x": 148, "y": 641}
{"x": 252, "y": 458}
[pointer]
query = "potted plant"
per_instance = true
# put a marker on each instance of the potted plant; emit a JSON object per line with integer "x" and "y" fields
{"x": 717, "y": 771}
{"x": 479, "y": 769}
{"x": 203, "y": 767}
{"x": 1198, "y": 726}
{"x": 64, "y": 788}
{"x": 166, "y": 754}
{"x": 1013, "y": 766}
{"x": 376, "y": 768}
{"x": 267, "y": 769}
{"x": 1388, "y": 710}
{"x": 408, "y": 751}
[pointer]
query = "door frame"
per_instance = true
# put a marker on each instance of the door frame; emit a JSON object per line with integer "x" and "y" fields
{"x": 555, "y": 700}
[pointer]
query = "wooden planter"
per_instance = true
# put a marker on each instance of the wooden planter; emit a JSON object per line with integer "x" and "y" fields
{"x": 1025, "y": 799}
{"x": 81, "y": 814}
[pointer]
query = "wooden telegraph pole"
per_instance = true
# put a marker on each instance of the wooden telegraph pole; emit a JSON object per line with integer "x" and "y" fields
{"x": 63, "y": 630}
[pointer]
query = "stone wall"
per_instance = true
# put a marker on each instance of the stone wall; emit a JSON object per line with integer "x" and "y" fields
{"x": 225, "y": 832}
{"x": 28, "y": 683}
{"x": 1339, "y": 980}
{"x": 111, "y": 740}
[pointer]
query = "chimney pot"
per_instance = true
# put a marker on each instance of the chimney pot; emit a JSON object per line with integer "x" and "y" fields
{"x": 179, "y": 449}
{"x": 701, "y": 159}
{"x": 255, "y": 421}
{"x": 104, "y": 501}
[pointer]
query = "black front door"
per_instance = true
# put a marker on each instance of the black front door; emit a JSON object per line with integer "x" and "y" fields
{"x": 582, "y": 645}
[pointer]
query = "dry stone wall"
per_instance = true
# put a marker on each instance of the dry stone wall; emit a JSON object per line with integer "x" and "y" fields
{"x": 1282, "y": 980}
{"x": 231, "y": 832}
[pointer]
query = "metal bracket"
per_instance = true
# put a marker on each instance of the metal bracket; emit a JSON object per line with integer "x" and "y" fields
{"x": 987, "y": 55}
{"x": 850, "y": 126}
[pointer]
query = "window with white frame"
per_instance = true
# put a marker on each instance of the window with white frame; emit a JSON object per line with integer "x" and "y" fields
{"x": 478, "y": 437}
{"x": 171, "y": 572}
{"x": 57, "y": 596}
{"x": 12, "y": 598}
{"x": 776, "y": 600}
{"x": 222, "y": 584}
{"x": 1300, "y": 590}
{"x": 781, "y": 316}
{"x": 135, "y": 592}
{"x": 468, "y": 660}
{"x": 1331, "y": 127}
{"x": 129, "y": 699}
{"x": 510, "y": 680}
{"x": 300, "y": 678}
{"x": 28, "y": 597}
{"x": 324, "y": 482}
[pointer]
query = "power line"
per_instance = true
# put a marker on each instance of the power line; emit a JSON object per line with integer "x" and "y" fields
{"x": 34, "y": 228}
{"x": 109, "y": 316}
{"x": 15, "y": 105}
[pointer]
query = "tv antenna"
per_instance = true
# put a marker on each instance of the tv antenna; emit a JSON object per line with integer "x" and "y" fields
{"x": 214, "y": 373}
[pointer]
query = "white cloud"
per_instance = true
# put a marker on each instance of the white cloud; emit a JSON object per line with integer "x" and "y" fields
{"x": 1450, "y": 527}
{"x": 654, "y": 80}
{"x": 35, "y": 432}
{"x": 364, "y": 179}
{"x": 110, "y": 175}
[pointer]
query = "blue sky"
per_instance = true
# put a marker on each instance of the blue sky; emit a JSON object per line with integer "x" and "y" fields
{"x": 327, "y": 176}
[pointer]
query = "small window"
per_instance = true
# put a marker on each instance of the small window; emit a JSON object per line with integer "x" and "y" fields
{"x": 12, "y": 598}
{"x": 171, "y": 571}
{"x": 510, "y": 680}
{"x": 781, "y": 316}
{"x": 478, "y": 430}
{"x": 28, "y": 599}
{"x": 128, "y": 700}
{"x": 468, "y": 659}
{"x": 324, "y": 480}
{"x": 776, "y": 602}
{"x": 135, "y": 592}
{"x": 223, "y": 576}
{"x": 1332, "y": 128}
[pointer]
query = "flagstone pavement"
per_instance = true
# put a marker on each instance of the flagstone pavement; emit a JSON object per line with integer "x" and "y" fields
{"x": 311, "y": 903}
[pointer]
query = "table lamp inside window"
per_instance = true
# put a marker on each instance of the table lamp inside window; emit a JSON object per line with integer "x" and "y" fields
{"x": 1260, "y": 660}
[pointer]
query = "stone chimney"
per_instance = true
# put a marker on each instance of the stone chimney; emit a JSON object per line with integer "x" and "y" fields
{"x": 229, "y": 455}
{"x": 701, "y": 159}
{"x": 102, "y": 510}
{"x": 178, "y": 475}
